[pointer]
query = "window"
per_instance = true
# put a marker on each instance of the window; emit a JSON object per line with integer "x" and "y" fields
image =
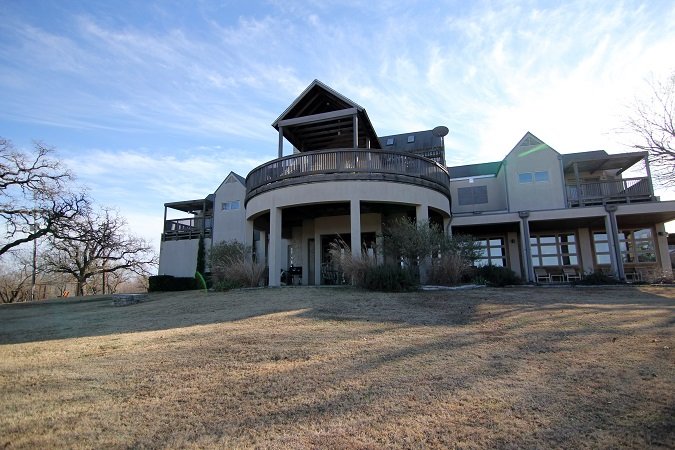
{"x": 636, "y": 246}
{"x": 227, "y": 206}
{"x": 474, "y": 195}
{"x": 390, "y": 141}
{"x": 541, "y": 177}
{"x": 411, "y": 139}
{"x": 525, "y": 177}
{"x": 554, "y": 249}
{"x": 492, "y": 251}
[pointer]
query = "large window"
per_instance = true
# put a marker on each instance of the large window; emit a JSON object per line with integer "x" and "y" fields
{"x": 474, "y": 195}
{"x": 492, "y": 251}
{"x": 537, "y": 177}
{"x": 636, "y": 246}
{"x": 554, "y": 249}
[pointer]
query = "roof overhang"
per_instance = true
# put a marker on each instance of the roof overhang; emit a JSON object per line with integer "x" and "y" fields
{"x": 620, "y": 162}
{"x": 192, "y": 206}
{"x": 321, "y": 118}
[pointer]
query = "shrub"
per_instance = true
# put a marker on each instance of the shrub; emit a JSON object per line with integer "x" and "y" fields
{"x": 596, "y": 277}
{"x": 166, "y": 283}
{"x": 354, "y": 269}
{"x": 449, "y": 269}
{"x": 388, "y": 278}
{"x": 496, "y": 276}
{"x": 233, "y": 265}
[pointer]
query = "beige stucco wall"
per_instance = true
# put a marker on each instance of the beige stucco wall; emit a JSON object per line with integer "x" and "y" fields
{"x": 179, "y": 258}
{"x": 229, "y": 225}
{"x": 536, "y": 195}
{"x": 340, "y": 191}
{"x": 496, "y": 193}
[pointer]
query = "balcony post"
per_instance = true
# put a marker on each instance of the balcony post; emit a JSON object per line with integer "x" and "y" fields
{"x": 356, "y": 130}
{"x": 164, "y": 219}
{"x": 281, "y": 141}
{"x": 649, "y": 176}
{"x": 576, "y": 177}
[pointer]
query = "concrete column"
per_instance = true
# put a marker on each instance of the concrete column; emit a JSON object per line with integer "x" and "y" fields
{"x": 317, "y": 257}
{"x": 248, "y": 233}
{"x": 526, "y": 250}
{"x": 585, "y": 249}
{"x": 513, "y": 259}
{"x": 447, "y": 227}
{"x": 422, "y": 217}
{"x": 612, "y": 230}
{"x": 275, "y": 250}
{"x": 355, "y": 219}
{"x": 662, "y": 253}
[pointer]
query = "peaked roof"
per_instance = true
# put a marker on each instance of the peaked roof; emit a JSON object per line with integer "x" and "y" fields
{"x": 322, "y": 118}
{"x": 532, "y": 143}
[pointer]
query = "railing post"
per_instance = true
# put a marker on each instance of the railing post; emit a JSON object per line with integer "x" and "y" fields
{"x": 649, "y": 176}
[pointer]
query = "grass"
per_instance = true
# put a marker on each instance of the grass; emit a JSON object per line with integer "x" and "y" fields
{"x": 342, "y": 368}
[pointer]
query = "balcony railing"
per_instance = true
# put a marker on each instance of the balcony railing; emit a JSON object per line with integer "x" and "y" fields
{"x": 188, "y": 228}
{"x": 347, "y": 164}
{"x": 626, "y": 190}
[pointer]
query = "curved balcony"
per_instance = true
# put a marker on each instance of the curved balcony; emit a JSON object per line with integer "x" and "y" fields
{"x": 347, "y": 165}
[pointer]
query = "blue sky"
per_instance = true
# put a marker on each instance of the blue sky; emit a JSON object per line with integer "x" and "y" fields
{"x": 151, "y": 102}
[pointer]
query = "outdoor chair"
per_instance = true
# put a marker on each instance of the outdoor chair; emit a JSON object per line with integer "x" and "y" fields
{"x": 571, "y": 274}
{"x": 542, "y": 274}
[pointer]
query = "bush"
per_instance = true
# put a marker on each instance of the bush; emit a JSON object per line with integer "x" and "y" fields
{"x": 166, "y": 283}
{"x": 354, "y": 269}
{"x": 233, "y": 266}
{"x": 496, "y": 276}
{"x": 388, "y": 278}
{"x": 597, "y": 277}
{"x": 449, "y": 269}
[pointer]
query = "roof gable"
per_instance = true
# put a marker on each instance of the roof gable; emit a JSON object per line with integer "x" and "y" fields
{"x": 322, "y": 118}
{"x": 528, "y": 145}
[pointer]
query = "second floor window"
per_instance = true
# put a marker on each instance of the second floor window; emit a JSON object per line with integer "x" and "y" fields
{"x": 227, "y": 206}
{"x": 536, "y": 177}
{"x": 474, "y": 195}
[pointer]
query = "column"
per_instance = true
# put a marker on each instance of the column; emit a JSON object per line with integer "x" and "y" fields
{"x": 612, "y": 230}
{"x": 274, "y": 259}
{"x": 281, "y": 141}
{"x": 447, "y": 225}
{"x": 355, "y": 218}
{"x": 526, "y": 250}
{"x": 248, "y": 234}
{"x": 356, "y": 131}
{"x": 422, "y": 218}
{"x": 576, "y": 177}
{"x": 662, "y": 253}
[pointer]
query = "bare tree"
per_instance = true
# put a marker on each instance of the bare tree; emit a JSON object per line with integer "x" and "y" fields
{"x": 98, "y": 243}
{"x": 652, "y": 121}
{"x": 15, "y": 275}
{"x": 34, "y": 199}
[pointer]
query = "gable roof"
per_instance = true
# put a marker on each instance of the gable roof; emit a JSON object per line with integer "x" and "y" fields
{"x": 530, "y": 143}
{"x": 322, "y": 118}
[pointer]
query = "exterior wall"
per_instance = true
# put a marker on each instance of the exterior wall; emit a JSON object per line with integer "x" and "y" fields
{"x": 535, "y": 195}
{"x": 179, "y": 258}
{"x": 229, "y": 225}
{"x": 340, "y": 191}
{"x": 496, "y": 194}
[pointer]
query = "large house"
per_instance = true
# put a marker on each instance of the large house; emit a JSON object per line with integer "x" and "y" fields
{"x": 547, "y": 216}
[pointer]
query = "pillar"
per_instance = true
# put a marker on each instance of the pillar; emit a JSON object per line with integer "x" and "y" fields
{"x": 275, "y": 251}
{"x": 662, "y": 253}
{"x": 355, "y": 227}
{"x": 422, "y": 217}
{"x": 612, "y": 230}
{"x": 526, "y": 250}
{"x": 281, "y": 141}
{"x": 356, "y": 131}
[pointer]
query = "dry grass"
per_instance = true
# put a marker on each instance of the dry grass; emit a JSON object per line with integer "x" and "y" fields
{"x": 341, "y": 368}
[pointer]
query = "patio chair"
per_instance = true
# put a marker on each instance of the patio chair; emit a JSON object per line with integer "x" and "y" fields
{"x": 571, "y": 274}
{"x": 542, "y": 274}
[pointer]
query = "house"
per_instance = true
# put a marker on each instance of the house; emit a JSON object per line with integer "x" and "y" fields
{"x": 548, "y": 216}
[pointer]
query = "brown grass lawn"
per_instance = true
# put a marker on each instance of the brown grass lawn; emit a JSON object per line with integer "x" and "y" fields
{"x": 343, "y": 368}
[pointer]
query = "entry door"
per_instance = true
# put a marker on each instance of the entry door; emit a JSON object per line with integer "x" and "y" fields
{"x": 311, "y": 254}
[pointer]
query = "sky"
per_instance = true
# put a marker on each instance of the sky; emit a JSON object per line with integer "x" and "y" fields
{"x": 151, "y": 102}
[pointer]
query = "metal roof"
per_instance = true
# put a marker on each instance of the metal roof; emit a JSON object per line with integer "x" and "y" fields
{"x": 475, "y": 170}
{"x": 193, "y": 206}
{"x": 597, "y": 160}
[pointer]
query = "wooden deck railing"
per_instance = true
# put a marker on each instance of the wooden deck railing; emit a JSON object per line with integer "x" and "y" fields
{"x": 188, "y": 228}
{"x": 347, "y": 164}
{"x": 617, "y": 191}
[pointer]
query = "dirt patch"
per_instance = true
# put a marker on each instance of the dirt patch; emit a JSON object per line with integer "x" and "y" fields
{"x": 343, "y": 368}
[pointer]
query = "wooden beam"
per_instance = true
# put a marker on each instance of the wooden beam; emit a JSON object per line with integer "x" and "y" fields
{"x": 322, "y": 117}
